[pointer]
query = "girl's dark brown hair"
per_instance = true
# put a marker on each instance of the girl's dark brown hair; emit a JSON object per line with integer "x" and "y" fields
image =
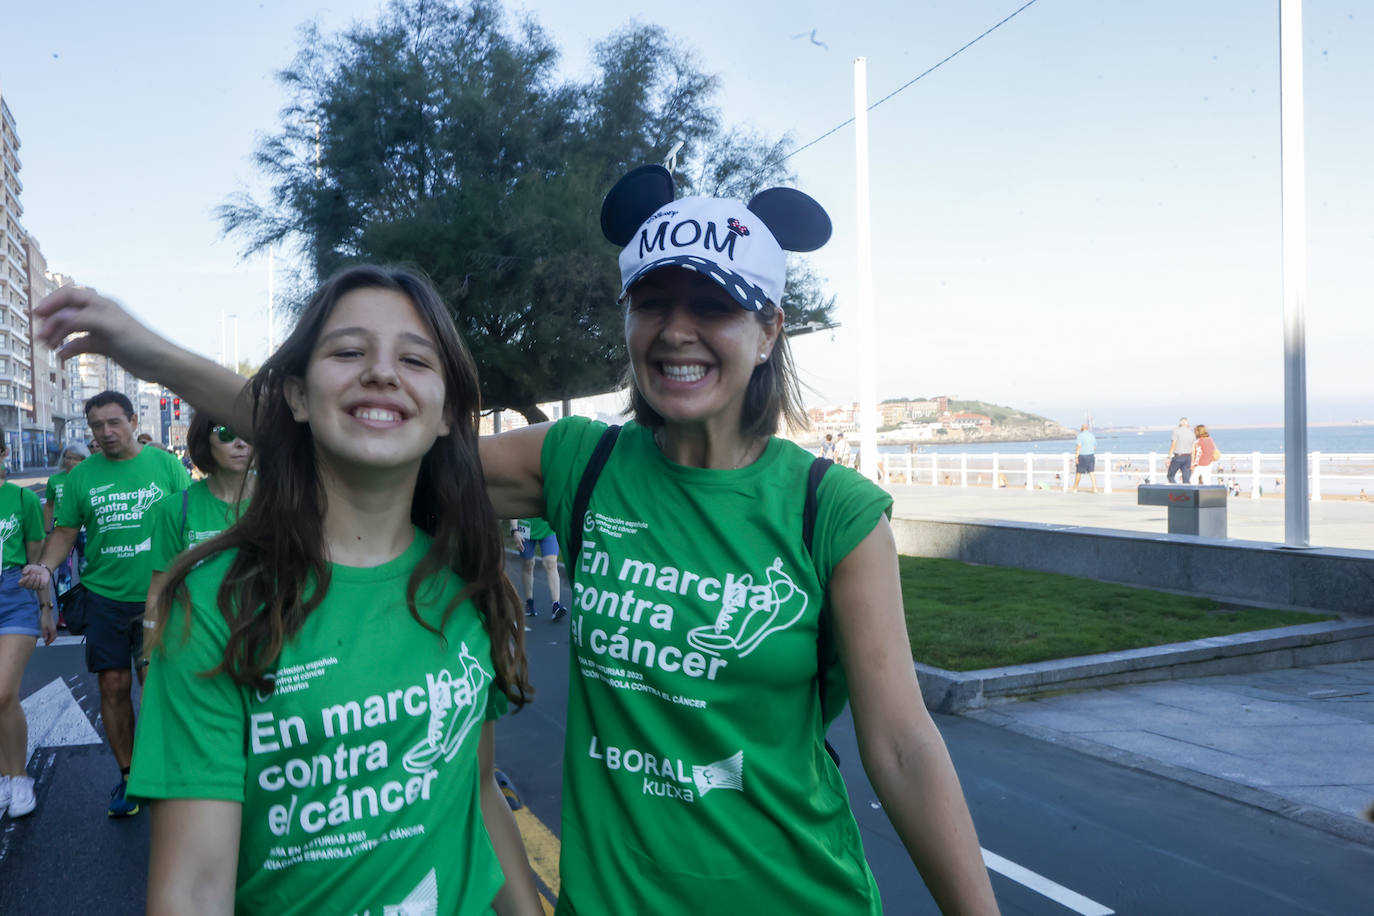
{"x": 266, "y": 596}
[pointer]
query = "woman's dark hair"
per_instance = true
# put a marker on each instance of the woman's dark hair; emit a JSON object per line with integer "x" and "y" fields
{"x": 774, "y": 394}
{"x": 198, "y": 442}
{"x": 266, "y": 595}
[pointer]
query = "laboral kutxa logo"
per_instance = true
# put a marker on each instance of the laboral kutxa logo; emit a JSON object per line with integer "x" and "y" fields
{"x": 670, "y": 777}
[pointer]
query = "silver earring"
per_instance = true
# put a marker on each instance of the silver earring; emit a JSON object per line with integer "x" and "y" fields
{"x": 763, "y": 357}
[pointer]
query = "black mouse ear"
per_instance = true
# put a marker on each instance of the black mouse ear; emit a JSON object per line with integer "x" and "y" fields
{"x": 794, "y": 218}
{"x": 634, "y": 199}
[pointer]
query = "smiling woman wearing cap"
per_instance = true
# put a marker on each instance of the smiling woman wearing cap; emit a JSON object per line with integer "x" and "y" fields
{"x": 712, "y": 642}
{"x": 727, "y": 597}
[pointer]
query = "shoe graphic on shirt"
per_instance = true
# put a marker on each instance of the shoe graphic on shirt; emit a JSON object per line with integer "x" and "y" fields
{"x": 723, "y": 774}
{"x": 449, "y": 726}
{"x": 423, "y": 901}
{"x": 748, "y": 616}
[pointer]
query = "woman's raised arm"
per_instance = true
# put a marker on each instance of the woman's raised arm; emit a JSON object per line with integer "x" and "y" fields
{"x": 106, "y": 327}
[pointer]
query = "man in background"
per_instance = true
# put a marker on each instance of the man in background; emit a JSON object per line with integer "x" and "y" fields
{"x": 108, "y": 494}
{"x": 1181, "y": 451}
{"x": 1085, "y": 458}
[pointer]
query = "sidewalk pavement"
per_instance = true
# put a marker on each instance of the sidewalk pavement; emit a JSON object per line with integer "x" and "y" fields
{"x": 1297, "y": 741}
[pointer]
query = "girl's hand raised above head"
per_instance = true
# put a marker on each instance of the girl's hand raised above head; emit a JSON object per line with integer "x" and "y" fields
{"x": 104, "y": 327}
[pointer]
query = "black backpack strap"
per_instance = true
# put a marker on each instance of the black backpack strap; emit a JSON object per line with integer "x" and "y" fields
{"x": 824, "y": 638}
{"x": 584, "y": 495}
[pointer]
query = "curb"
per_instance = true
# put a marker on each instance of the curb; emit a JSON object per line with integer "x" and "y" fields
{"x": 956, "y": 692}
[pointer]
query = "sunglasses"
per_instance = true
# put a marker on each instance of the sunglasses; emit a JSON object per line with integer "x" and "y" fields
{"x": 225, "y": 433}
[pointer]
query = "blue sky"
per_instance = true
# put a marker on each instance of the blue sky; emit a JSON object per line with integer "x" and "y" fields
{"x": 1080, "y": 213}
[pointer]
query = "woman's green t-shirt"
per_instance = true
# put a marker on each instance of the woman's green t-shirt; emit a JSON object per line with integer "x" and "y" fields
{"x": 183, "y": 521}
{"x": 695, "y": 774}
{"x": 21, "y": 521}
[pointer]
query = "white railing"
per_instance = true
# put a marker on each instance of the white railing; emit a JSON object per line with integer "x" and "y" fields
{"x": 1346, "y": 474}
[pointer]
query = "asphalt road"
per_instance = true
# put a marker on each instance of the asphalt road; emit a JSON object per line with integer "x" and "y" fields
{"x": 1062, "y": 832}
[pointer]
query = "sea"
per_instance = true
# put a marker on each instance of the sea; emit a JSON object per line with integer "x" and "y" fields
{"x": 1353, "y": 439}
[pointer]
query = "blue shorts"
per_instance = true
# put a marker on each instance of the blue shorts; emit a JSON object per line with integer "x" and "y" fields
{"x": 18, "y": 606}
{"x": 114, "y": 633}
{"x": 1086, "y": 464}
{"x": 548, "y": 547}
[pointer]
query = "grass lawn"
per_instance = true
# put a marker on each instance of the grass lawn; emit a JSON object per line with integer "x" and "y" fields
{"x": 963, "y": 617}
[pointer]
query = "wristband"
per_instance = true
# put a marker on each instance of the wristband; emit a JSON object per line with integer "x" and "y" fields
{"x": 51, "y": 574}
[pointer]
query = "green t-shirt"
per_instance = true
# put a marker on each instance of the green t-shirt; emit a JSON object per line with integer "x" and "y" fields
{"x": 206, "y": 515}
{"x": 57, "y": 484}
{"x": 358, "y": 774}
{"x": 21, "y": 521}
{"x": 533, "y": 529}
{"x": 695, "y": 773}
{"x": 110, "y": 498}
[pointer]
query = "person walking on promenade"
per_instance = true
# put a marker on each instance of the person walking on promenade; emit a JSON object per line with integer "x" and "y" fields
{"x": 1085, "y": 458}
{"x": 842, "y": 451}
{"x": 828, "y": 447}
{"x": 529, "y": 533}
{"x": 23, "y": 619}
{"x": 207, "y": 506}
{"x": 702, "y": 784}
{"x": 1181, "y": 451}
{"x": 108, "y": 495}
{"x": 1205, "y": 453}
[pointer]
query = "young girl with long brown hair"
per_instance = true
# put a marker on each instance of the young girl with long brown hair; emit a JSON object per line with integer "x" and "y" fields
{"x": 317, "y": 722}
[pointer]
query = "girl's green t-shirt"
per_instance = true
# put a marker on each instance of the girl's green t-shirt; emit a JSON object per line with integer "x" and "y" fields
{"x": 695, "y": 774}
{"x": 205, "y": 515}
{"x": 358, "y": 774}
{"x": 21, "y": 521}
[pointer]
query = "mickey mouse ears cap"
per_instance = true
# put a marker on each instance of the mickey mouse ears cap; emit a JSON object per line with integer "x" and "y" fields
{"x": 738, "y": 246}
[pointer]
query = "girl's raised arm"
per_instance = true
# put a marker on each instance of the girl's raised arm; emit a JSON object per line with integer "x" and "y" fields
{"x": 106, "y": 327}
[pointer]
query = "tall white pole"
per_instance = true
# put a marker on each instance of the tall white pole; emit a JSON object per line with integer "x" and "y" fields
{"x": 1296, "y": 527}
{"x": 235, "y": 366}
{"x": 868, "y": 371}
{"x": 271, "y": 319}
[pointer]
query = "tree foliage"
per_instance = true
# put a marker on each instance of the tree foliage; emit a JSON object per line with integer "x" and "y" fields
{"x": 442, "y": 136}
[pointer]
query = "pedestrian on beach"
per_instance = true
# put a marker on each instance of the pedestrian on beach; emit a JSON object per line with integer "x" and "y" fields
{"x": 1205, "y": 454}
{"x": 1181, "y": 451}
{"x": 24, "y": 618}
{"x": 712, "y": 639}
{"x": 357, "y": 614}
{"x": 1085, "y": 458}
{"x": 828, "y": 447}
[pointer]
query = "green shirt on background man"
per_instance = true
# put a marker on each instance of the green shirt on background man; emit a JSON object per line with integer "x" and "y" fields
{"x": 110, "y": 498}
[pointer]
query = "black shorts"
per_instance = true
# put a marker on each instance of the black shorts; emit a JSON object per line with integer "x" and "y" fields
{"x": 1086, "y": 464}
{"x": 114, "y": 633}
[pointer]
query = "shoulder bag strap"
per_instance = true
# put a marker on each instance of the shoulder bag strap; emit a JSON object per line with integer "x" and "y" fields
{"x": 824, "y": 638}
{"x": 590, "y": 473}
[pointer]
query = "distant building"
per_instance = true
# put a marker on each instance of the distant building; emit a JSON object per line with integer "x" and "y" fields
{"x": 967, "y": 421}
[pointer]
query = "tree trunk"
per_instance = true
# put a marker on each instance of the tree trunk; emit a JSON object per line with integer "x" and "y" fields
{"x": 531, "y": 413}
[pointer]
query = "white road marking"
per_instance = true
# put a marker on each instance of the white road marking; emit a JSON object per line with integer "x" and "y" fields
{"x": 56, "y": 719}
{"x": 67, "y": 640}
{"x": 1042, "y": 885}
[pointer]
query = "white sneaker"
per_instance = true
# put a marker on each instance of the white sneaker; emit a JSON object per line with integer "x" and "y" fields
{"x": 4, "y": 794}
{"x": 22, "y": 801}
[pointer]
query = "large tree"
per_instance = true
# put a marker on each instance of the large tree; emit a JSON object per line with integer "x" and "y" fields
{"x": 441, "y": 135}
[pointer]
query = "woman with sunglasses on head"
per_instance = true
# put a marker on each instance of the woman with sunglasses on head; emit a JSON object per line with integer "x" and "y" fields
{"x": 317, "y": 723}
{"x": 209, "y": 505}
{"x": 696, "y": 778}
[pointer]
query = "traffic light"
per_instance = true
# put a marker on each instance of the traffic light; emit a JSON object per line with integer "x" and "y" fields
{"x": 162, "y": 405}
{"x": 176, "y": 408}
